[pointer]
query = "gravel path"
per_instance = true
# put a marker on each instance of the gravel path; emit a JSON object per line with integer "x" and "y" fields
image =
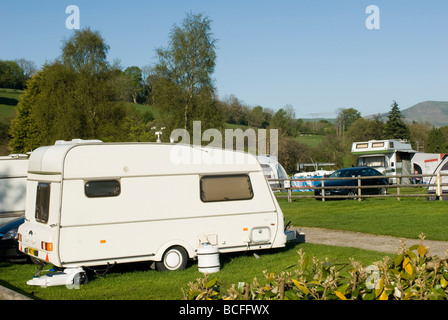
{"x": 367, "y": 241}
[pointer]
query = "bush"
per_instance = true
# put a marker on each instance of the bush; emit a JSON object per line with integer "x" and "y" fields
{"x": 412, "y": 275}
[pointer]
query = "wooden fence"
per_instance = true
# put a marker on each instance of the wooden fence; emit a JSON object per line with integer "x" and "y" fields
{"x": 400, "y": 183}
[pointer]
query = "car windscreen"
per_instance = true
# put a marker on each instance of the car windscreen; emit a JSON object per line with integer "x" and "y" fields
{"x": 344, "y": 173}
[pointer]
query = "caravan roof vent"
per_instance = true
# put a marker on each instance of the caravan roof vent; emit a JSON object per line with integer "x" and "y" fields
{"x": 76, "y": 141}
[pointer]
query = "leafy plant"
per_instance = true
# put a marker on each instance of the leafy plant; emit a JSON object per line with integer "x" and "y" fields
{"x": 412, "y": 275}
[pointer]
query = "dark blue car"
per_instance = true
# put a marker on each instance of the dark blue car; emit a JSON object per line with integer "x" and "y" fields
{"x": 381, "y": 182}
{"x": 8, "y": 240}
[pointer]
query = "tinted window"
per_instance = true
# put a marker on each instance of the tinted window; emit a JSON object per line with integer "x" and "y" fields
{"x": 373, "y": 173}
{"x": 42, "y": 202}
{"x": 102, "y": 188}
{"x": 226, "y": 188}
{"x": 445, "y": 167}
{"x": 344, "y": 173}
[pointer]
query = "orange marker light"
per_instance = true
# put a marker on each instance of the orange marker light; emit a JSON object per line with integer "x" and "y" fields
{"x": 102, "y": 241}
{"x": 46, "y": 246}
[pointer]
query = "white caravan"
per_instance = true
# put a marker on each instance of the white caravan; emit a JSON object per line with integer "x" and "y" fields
{"x": 272, "y": 169}
{"x": 392, "y": 157}
{"x": 13, "y": 171}
{"x": 93, "y": 203}
{"x": 438, "y": 189}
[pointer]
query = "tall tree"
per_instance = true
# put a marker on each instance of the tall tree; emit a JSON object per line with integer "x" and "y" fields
{"x": 284, "y": 120}
{"x": 11, "y": 75}
{"x": 395, "y": 127}
{"x": 134, "y": 74}
{"x": 74, "y": 97}
{"x": 436, "y": 141}
{"x": 86, "y": 52}
{"x": 345, "y": 119}
{"x": 185, "y": 69}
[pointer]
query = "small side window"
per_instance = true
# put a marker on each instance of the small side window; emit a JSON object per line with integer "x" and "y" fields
{"x": 102, "y": 188}
{"x": 226, "y": 188}
{"x": 42, "y": 202}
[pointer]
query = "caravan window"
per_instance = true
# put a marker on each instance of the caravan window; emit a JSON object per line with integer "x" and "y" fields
{"x": 377, "y": 144}
{"x": 267, "y": 171}
{"x": 42, "y": 202}
{"x": 226, "y": 188}
{"x": 102, "y": 188}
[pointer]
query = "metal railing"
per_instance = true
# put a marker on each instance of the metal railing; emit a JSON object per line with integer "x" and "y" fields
{"x": 401, "y": 184}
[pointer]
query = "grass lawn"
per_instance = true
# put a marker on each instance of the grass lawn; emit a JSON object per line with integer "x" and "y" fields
{"x": 8, "y": 102}
{"x": 407, "y": 218}
{"x": 313, "y": 140}
{"x": 137, "y": 282}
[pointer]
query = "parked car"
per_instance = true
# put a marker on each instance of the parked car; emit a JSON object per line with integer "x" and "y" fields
{"x": 8, "y": 241}
{"x": 352, "y": 173}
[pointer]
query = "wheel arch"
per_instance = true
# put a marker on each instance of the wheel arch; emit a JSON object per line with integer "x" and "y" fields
{"x": 190, "y": 250}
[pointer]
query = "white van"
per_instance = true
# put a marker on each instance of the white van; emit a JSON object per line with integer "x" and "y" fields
{"x": 13, "y": 171}
{"x": 93, "y": 203}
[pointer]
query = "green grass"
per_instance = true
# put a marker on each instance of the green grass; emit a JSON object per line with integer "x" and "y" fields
{"x": 8, "y": 102}
{"x": 143, "y": 108}
{"x": 313, "y": 140}
{"x": 407, "y": 218}
{"x": 137, "y": 282}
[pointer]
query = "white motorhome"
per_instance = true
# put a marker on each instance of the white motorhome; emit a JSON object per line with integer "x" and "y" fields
{"x": 392, "y": 157}
{"x": 13, "y": 171}
{"x": 93, "y": 203}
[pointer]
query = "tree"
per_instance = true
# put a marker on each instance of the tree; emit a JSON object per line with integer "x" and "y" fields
{"x": 75, "y": 97}
{"x": 24, "y": 129}
{"x": 284, "y": 120}
{"x": 419, "y": 133}
{"x": 11, "y": 75}
{"x": 395, "y": 127}
{"x": 345, "y": 119}
{"x": 258, "y": 118}
{"x": 365, "y": 129}
{"x": 291, "y": 152}
{"x": 185, "y": 69}
{"x": 134, "y": 74}
{"x": 436, "y": 142}
{"x": 86, "y": 52}
{"x": 28, "y": 67}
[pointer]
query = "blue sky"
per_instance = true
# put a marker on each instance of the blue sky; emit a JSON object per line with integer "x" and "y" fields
{"x": 317, "y": 56}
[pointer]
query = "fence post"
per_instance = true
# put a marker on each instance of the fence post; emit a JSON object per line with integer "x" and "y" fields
{"x": 323, "y": 190}
{"x": 288, "y": 185}
{"x": 439, "y": 188}
{"x": 359, "y": 188}
{"x": 398, "y": 180}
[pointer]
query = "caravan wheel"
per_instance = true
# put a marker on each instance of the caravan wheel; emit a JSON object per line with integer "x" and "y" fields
{"x": 175, "y": 258}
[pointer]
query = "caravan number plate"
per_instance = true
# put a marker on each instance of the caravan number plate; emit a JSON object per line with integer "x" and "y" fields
{"x": 33, "y": 252}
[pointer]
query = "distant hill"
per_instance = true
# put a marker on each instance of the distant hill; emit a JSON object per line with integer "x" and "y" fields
{"x": 433, "y": 112}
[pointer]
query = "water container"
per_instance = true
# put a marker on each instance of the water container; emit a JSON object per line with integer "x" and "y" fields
{"x": 208, "y": 258}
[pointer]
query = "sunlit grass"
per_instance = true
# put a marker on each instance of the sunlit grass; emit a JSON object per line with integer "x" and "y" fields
{"x": 138, "y": 282}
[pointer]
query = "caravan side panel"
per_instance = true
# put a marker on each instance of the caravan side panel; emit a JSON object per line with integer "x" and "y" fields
{"x": 13, "y": 174}
{"x": 152, "y": 213}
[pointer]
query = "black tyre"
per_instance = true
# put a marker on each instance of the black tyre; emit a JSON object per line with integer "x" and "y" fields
{"x": 175, "y": 258}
